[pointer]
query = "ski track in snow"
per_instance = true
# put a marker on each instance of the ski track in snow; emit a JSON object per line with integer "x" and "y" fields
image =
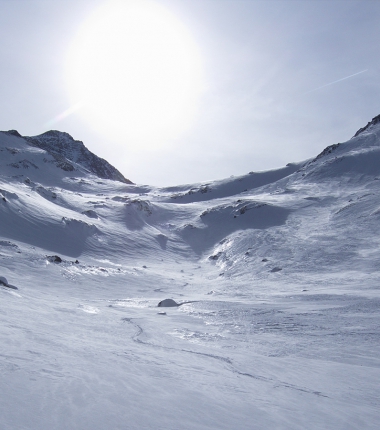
{"x": 226, "y": 360}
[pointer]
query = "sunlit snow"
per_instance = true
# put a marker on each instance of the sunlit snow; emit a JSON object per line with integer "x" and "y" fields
{"x": 276, "y": 274}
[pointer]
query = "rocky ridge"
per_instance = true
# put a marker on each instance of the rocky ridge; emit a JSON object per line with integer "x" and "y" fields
{"x": 374, "y": 121}
{"x": 65, "y": 149}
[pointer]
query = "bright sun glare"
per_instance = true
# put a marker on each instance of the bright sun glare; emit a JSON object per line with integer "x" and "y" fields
{"x": 135, "y": 71}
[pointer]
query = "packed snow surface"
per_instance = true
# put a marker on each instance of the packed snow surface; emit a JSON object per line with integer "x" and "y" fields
{"x": 277, "y": 275}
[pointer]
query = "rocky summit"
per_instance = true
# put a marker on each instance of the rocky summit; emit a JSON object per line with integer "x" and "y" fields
{"x": 66, "y": 150}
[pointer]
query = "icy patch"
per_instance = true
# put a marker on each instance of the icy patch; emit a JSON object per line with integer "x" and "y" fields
{"x": 130, "y": 303}
{"x": 196, "y": 336}
{"x": 95, "y": 270}
{"x": 89, "y": 309}
{"x": 11, "y": 292}
{"x": 105, "y": 261}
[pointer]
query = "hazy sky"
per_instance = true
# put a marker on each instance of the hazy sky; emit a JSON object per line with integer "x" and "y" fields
{"x": 256, "y": 84}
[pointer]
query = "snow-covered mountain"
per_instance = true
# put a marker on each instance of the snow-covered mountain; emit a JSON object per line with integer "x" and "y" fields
{"x": 277, "y": 275}
{"x": 65, "y": 152}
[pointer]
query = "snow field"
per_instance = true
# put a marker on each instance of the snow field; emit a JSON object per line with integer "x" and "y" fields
{"x": 280, "y": 269}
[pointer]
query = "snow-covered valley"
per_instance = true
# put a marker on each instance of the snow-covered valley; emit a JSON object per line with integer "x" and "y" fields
{"x": 276, "y": 274}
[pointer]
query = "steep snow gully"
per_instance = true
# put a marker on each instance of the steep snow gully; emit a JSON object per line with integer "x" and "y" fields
{"x": 245, "y": 303}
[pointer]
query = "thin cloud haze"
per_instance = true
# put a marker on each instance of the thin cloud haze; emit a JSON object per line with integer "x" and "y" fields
{"x": 257, "y": 58}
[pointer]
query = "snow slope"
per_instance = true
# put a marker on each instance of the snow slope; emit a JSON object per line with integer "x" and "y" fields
{"x": 279, "y": 271}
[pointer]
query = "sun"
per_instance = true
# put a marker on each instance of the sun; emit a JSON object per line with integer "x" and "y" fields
{"x": 136, "y": 72}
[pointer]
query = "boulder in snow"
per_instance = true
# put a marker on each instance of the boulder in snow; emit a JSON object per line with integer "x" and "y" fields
{"x": 54, "y": 259}
{"x": 4, "y": 283}
{"x": 167, "y": 303}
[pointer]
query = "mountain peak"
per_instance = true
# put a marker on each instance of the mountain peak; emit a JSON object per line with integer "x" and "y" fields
{"x": 61, "y": 143}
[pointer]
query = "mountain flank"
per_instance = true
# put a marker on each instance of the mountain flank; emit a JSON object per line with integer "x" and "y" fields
{"x": 64, "y": 148}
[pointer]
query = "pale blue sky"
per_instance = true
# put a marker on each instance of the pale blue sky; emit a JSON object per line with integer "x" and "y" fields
{"x": 266, "y": 63}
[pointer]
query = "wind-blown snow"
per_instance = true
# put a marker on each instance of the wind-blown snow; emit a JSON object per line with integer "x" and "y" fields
{"x": 277, "y": 274}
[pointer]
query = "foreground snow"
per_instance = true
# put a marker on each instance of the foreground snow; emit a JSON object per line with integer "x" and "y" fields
{"x": 280, "y": 269}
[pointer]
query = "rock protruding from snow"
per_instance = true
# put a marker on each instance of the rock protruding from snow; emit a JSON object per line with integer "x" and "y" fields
{"x": 168, "y": 303}
{"x": 60, "y": 144}
{"x": 375, "y": 120}
{"x": 54, "y": 259}
{"x": 326, "y": 151}
{"x": 4, "y": 283}
{"x": 13, "y": 133}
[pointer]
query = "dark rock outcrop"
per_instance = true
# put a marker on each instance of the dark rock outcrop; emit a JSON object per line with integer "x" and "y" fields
{"x": 65, "y": 149}
{"x": 326, "y": 151}
{"x": 54, "y": 259}
{"x": 13, "y": 133}
{"x": 374, "y": 121}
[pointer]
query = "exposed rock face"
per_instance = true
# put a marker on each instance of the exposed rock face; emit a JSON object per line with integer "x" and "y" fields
{"x": 326, "y": 151}
{"x": 374, "y": 121}
{"x": 60, "y": 144}
{"x": 13, "y": 133}
{"x": 54, "y": 259}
